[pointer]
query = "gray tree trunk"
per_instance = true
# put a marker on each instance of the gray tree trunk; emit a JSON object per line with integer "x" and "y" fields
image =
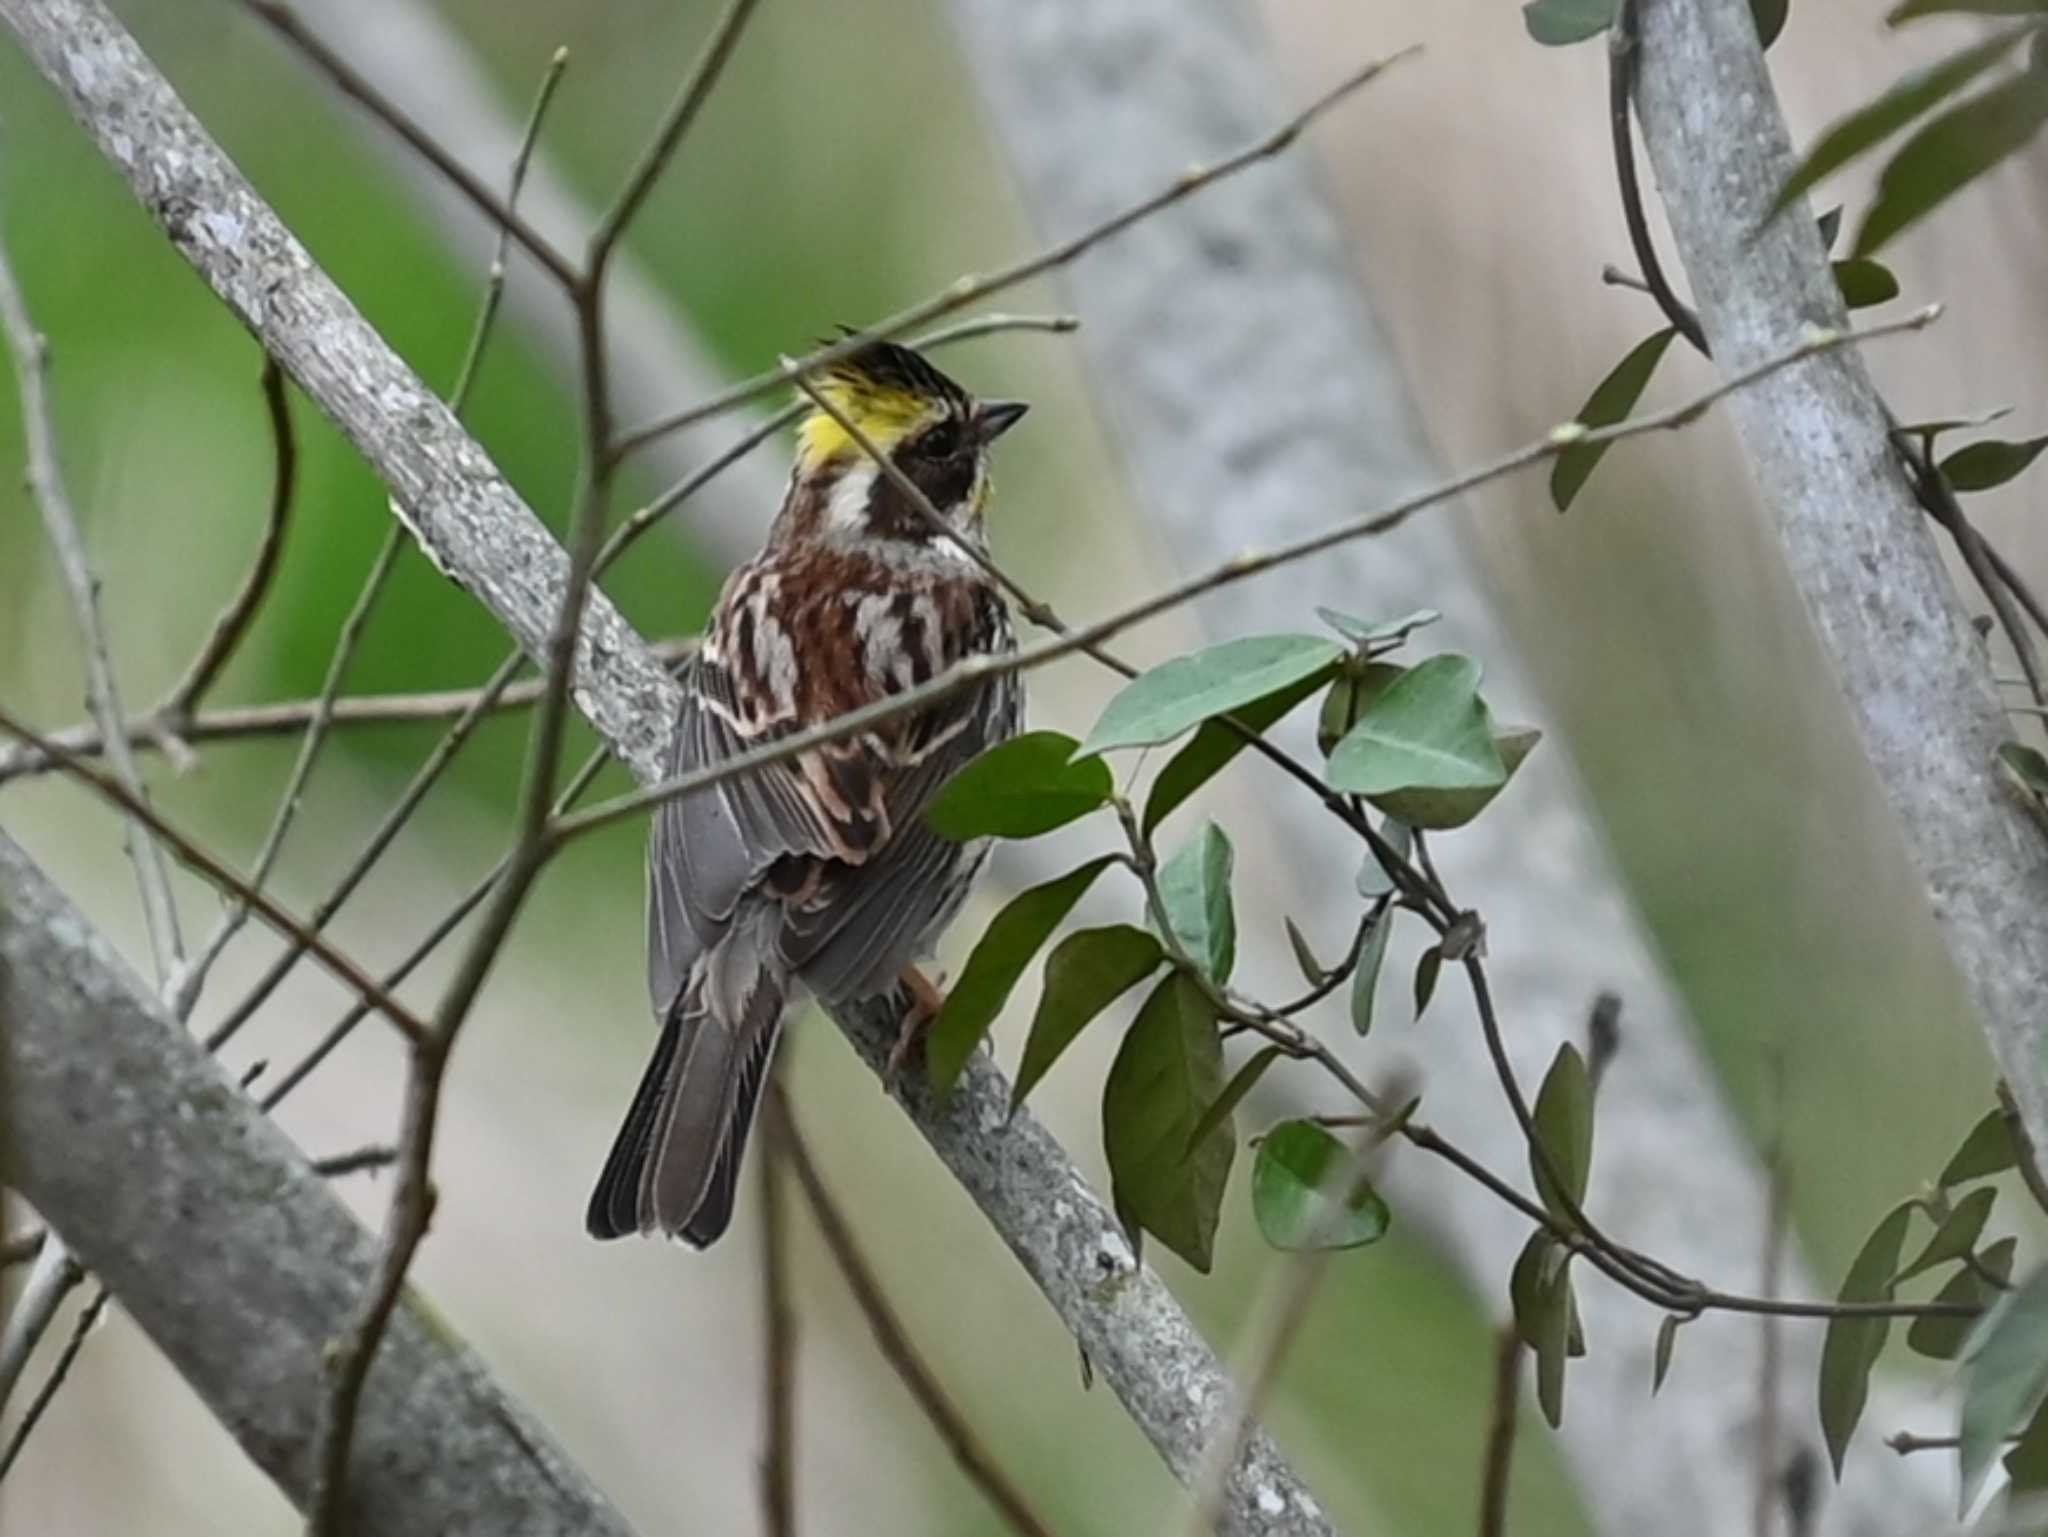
{"x": 1863, "y": 553}
{"x": 1256, "y": 399}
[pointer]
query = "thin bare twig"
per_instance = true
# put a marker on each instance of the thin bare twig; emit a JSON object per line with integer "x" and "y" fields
{"x": 890, "y": 1336}
{"x": 1253, "y": 563}
{"x": 195, "y": 857}
{"x": 284, "y": 718}
{"x": 234, "y": 620}
{"x": 971, "y": 290}
{"x": 346, "y": 643}
{"x": 778, "y": 1341}
{"x": 55, "y": 1272}
{"x": 412, "y": 1204}
{"x": 81, "y": 1328}
{"x": 31, "y": 355}
{"x": 1500, "y": 1434}
{"x": 285, "y": 22}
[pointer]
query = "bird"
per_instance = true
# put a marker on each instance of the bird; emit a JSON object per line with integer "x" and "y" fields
{"x": 815, "y": 875}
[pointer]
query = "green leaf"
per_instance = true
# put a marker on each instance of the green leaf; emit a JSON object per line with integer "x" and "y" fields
{"x": 1215, "y": 744}
{"x": 1023, "y": 788}
{"x": 1159, "y": 705}
{"x": 1864, "y": 283}
{"x": 1986, "y": 1151}
{"x": 1366, "y": 979}
{"x": 1941, "y": 1336}
{"x": 1770, "y": 19}
{"x": 999, "y": 957}
{"x": 1854, "y": 1344}
{"x": 1440, "y": 810}
{"x": 1429, "y": 730}
{"x": 1084, "y": 975}
{"x": 1307, "y": 1192}
{"x": 1563, "y": 1118}
{"x": 1951, "y": 152}
{"x": 1347, "y": 699}
{"x": 1611, "y": 401}
{"x": 1957, "y": 1236}
{"x": 1166, "y": 1075}
{"x": 1194, "y": 888}
{"x": 1380, "y": 635}
{"x": 1993, "y": 462}
{"x": 1526, "y": 1281}
{"x": 1914, "y": 9}
{"x": 1555, "y": 23}
{"x": 1667, "y": 1337}
{"x": 1927, "y": 432}
{"x": 1313, "y": 972}
{"x": 1374, "y": 879}
{"x": 1915, "y": 94}
{"x": 2005, "y": 1377}
{"x": 1555, "y": 1312}
{"x": 1233, "y": 1092}
{"x": 2027, "y": 765}
{"x": 2026, "y": 1465}
{"x": 1426, "y": 971}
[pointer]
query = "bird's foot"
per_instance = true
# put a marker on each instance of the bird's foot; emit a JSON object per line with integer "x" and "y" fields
{"x": 925, "y": 1002}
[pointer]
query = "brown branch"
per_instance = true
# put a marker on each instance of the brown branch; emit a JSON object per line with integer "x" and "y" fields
{"x": 234, "y": 620}
{"x": 1500, "y": 1434}
{"x": 285, "y": 22}
{"x": 287, "y": 717}
{"x": 890, "y": 1336}
{"x": 971, "y": 290}
{"x": 778, "y": 1342}
{"x": 196, "y": 858}
{"x": 1252, "y": 563}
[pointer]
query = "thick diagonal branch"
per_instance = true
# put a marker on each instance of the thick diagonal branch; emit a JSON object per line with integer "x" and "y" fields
{"x": 230, "y": 1251}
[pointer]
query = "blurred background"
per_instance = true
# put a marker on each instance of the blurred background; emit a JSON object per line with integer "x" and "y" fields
{"x": 841, "y": 172}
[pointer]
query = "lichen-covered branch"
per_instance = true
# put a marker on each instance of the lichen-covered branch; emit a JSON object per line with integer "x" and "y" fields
{"x": 229, "y": 1250}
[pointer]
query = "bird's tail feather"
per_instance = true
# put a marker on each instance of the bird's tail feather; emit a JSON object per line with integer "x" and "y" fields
{"x": 675, "y": 1165}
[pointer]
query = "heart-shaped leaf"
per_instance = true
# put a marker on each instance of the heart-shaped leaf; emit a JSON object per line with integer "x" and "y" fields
{"x": 1176, "y": 696}
{"x": 1029, "y": 785}
{"x": 1440, "y": 810}
{"x": 1611, "y": 401}
{"x": 1084, "y": 975}
{"x": 1194, "y": 888}
{"x": 1556, "y": 23}
{"x": 1428, "y": 731}
{"x": 1380, "y": 635}
{"x": 1215, "y": 744}
{"x": 1307, "y": 1192}
{"x": 1166, "y": 1075}
{"x": 998, "y": 959}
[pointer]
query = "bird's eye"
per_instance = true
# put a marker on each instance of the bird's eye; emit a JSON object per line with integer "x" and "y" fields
{"x": 943, "y": 441}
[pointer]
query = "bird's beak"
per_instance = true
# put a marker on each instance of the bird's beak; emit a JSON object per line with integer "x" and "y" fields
{"x": 999, "y": 416}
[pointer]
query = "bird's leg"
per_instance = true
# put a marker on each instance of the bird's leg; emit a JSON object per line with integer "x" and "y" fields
{"x": 925, "y": 1002}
